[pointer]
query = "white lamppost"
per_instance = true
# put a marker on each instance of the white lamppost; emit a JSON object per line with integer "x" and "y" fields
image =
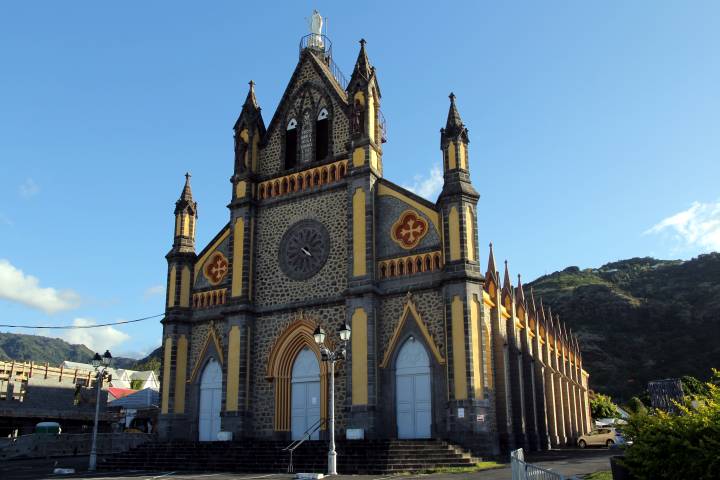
{"x": 331, "y": 357}
{"x": 97, "y": 361}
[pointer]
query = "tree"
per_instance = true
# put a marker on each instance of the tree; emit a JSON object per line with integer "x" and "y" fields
{"x": 682, "y": 445}
{"x": 602, "y": 406}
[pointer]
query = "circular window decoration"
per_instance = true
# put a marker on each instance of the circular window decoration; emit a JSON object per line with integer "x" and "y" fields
{"x": 409, "y": 229}
{"x": 304, "y": 249}
{"x": 216, "y": 268}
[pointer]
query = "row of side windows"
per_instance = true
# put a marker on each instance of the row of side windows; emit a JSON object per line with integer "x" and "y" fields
{"x": 321, "y": 141}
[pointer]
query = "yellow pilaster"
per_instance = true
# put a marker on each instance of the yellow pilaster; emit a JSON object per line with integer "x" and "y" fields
{"x": 238, "y": 251}
{"x": 371, "y": 117}
{"x": 165, "y": 401}
{"x": 233, "y": 371}
{"x": 171, "y": 287}
{"x": 358, "y": 157}
{"x": 180, "y": 374}
{"x": 241, "y": 189}
{"x": 454, "y": 228}
{"x": 359, "y": 243}
{"x": 185, "y": 287}
{"x": 452, "y": 162}
{"x": 359, "y": 357}
{"x": 462, "y": 159}
{"x": 475, "y": 345}
{"x": 469, "y": 237}
{"x": 458, "y": 339}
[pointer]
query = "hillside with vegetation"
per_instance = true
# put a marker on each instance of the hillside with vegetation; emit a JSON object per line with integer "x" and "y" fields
{"x": 640, "y": 319}
{"x": 35, "y": 348}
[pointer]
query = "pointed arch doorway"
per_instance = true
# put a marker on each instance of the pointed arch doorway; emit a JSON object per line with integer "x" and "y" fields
{"x": 305, "y": 393}
{"x": 210, "y": 402}
{"x": 412, "y": 391}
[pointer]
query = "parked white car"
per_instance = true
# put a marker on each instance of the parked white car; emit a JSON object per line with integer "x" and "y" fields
{"x": 601, "y": 437}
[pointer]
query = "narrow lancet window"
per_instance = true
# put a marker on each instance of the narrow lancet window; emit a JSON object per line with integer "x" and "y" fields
{"x": 321, "y": 136}
{"x": 291, "y": 144}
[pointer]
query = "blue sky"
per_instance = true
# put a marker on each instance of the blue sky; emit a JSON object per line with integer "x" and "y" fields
{"x": 594, "y": 132}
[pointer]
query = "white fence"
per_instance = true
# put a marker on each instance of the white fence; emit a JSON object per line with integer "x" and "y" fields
{"x": 527, "y": 471}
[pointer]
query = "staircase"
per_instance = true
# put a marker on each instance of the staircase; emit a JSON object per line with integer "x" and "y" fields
{"x": 363, "y": 457}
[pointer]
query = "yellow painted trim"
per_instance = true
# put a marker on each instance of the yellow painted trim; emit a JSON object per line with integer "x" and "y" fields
{"x": 238, "y": 250}
{"x": 504, "y": 312}
{"x": 469, "y": 237}
{"x": 374, "y": 160}
{"x": 252, "y": 249}
{"x": 359, "y": 96}
{"x": 359, "y": 358}
{"x": 371, "y": 117}
{"x": 359, "y": 241}
{"x": 462, "y": 162}
{"x": 255, "y": 149}
{"x": 452, "y": 163}
{"x": 171, "y": 287}
{"x": 454, "y": 228}
{"x": 180, "y": 372}
{"x": 201, "y": 261}
{"x": 487, "y": 344}
{"x": 411, "y": 310}
{"x": 167, "y": 356}
{"x": 487, "y": 300}
{"x": 186, "y": 225}
{"x": 458, "y": 342}
{"x": 210, "y": 338}
{"x": 358, "y": 157}
{"x": 241, "y": 189}
{"x": 244, "y": 135}
{"x": 233, "y": 369}
{"x": 428, "y": 212}
{"x": 185, "y": 287}
{"x": 178, "y": 224}
{"x": 475, "y": 346}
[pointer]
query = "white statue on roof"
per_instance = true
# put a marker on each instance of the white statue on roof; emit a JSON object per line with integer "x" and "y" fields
{"x": 316, "y": 24}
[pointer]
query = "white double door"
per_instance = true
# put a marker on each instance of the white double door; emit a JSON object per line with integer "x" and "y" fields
{"x": 210, "y": 402}
{"x": 412, "y": 391}
{"x": 305, "y": 406}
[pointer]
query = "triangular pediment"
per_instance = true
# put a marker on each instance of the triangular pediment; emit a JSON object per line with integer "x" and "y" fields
{"x": 411, "y": 314}
{"x": 309, "y": 62}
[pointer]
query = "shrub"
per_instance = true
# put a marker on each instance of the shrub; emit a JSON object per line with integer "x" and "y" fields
{"x": 685, "y": 445}
{"x": 602, "y": 406}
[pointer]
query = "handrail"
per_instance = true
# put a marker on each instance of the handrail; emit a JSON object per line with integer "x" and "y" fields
{"x": 305, "y": 436}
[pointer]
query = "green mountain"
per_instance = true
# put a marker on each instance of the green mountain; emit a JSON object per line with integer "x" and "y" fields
{"x": 151, "y": 362}
{"x": 640, "y": 319}
{"x": 35, "y": 348}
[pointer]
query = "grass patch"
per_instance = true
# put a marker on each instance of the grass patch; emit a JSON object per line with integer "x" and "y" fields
{"x": 604, "y": 475}
{"x": 469, "y": 469}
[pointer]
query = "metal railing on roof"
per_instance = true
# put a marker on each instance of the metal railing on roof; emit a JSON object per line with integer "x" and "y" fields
{"x": 322, "y": 44}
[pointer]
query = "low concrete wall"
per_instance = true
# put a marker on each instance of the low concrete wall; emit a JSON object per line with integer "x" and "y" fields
{"x": 45, "y": 445}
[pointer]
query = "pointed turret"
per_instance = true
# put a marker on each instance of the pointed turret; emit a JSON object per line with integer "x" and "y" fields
{"x": 249, "y": 128}
{"x": 185, "y": 219}
{"x": 507, "y": 286}
{"x": 491, "y": 273}
{"x": 363, "y": 70}
{"x": 454, "y": 140}
{"x": 519, "y": 293}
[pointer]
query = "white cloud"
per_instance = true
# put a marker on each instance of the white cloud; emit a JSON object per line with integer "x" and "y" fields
{"x": 16, "y": 286}
{"x": 698, "y": 227}
{"x": 153, "y": 291}
{"x": 98, "y": 339}
{"x": 29, "y": 188}
{"x": 427, "y": 186}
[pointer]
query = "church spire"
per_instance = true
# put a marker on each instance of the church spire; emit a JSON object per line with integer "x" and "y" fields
{"x": 363, "y": 70}
{"x": 491, "y": 273}
{"x": 454, "y": 125}
{"x": 250, "y": 100}
{"x": 519, "y": 293}
{"x": 185, "y": 219}
{"x": 507, "y": 285}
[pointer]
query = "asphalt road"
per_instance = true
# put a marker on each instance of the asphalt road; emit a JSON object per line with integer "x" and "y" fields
{"x": 566, "y": 462}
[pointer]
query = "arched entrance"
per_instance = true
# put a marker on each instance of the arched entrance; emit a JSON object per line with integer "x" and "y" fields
{"x": 210, "y": 401}
{"x": 412, "y": 391}
{"x": 305, "y": 405}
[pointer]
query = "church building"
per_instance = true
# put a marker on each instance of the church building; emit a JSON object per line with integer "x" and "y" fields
{"x": 316, "y": 236}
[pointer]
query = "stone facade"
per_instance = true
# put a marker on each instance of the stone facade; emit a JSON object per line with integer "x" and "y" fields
{"x": 497, "y": 371}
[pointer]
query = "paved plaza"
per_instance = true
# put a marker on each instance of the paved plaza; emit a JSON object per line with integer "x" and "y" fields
{"x": 567, "y": 462}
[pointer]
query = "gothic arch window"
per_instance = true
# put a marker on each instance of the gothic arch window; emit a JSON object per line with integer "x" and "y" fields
{"x": 322, "y": 135}
{"x": 291, "y": 144}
